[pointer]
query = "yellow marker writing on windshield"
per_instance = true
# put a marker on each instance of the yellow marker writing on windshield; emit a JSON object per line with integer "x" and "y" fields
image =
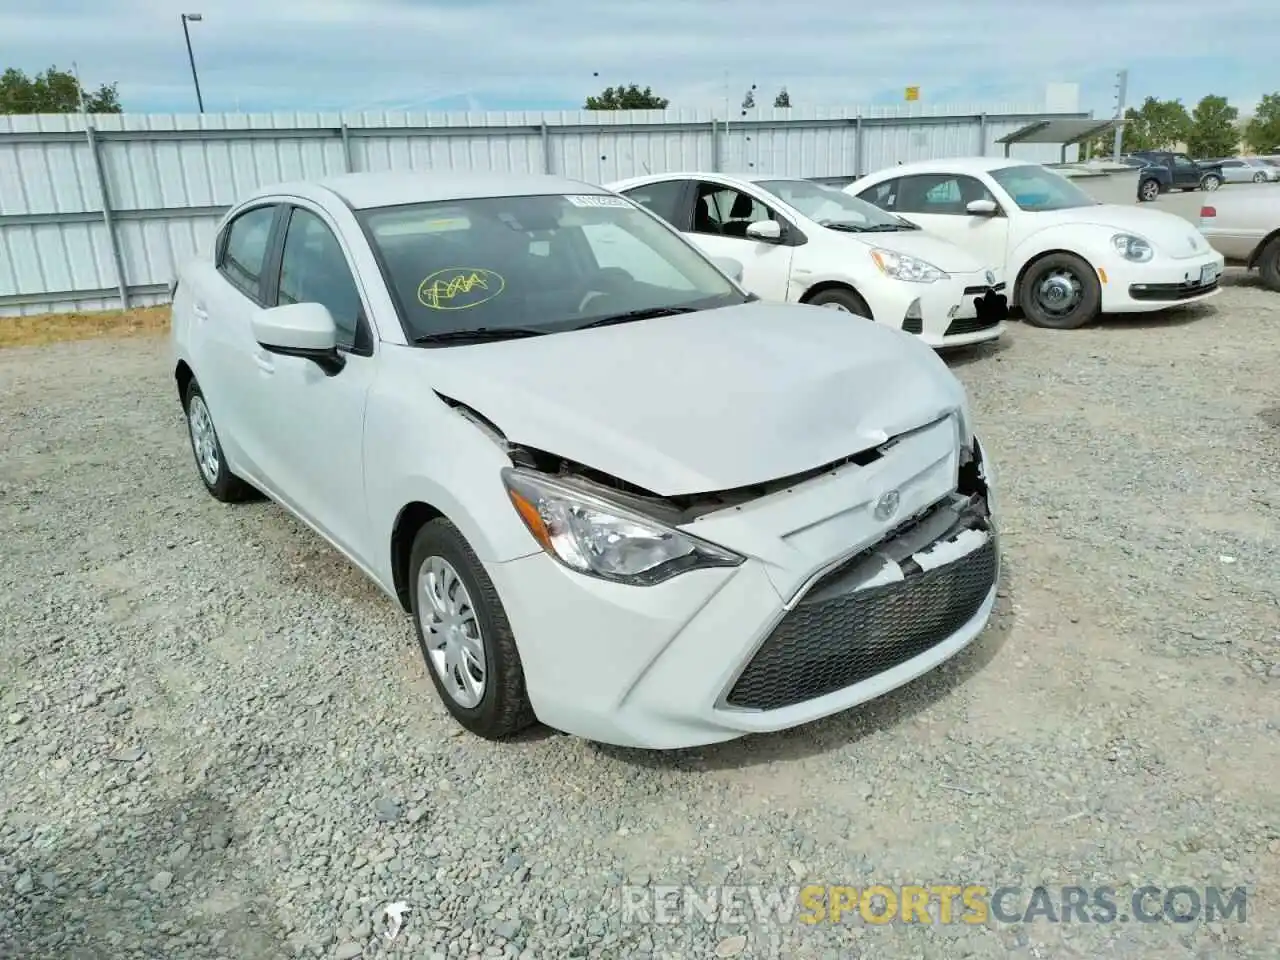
{"x": 459, "y": 288}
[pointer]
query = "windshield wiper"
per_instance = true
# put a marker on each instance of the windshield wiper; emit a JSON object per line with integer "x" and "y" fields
{"x": 891, "y": 227}
{"x": 646, "y": 314}
{"x": 480, "y": 335}
{"x": 842, "y": 225}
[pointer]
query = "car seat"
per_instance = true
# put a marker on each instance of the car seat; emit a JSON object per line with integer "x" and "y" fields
{"x": 739, "y": 216}
{"x": 702, "y": 222}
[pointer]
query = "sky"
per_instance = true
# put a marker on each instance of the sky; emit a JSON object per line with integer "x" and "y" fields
{"x": 434, "y": 55}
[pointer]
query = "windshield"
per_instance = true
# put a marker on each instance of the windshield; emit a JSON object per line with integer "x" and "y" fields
{"x": 833, "y": 208}
{"x": 534, "y": 265}
{"x": 1036, "y": 188}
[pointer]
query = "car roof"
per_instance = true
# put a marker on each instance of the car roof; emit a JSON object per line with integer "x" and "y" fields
{"x": 363, "y": 191}
{"x": 630, "y": 182}
{"x": 952, "y": 165}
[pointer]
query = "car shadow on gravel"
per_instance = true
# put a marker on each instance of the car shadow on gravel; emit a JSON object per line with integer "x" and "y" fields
{"x": 1162, "y": 319}
{"x": 160, "y": 881}
{"x": 843, "y": 729}
{"x": 976, "y": 353}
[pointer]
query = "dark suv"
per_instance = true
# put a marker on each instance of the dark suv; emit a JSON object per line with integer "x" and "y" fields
{"x": 1164, "y": 170}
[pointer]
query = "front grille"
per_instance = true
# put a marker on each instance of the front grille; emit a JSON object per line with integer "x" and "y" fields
{"x": 992, "y": 308}
{"x": 824, "y": 645}
{"x": 971, "y": 325}
{"x": 1170, "y": 291}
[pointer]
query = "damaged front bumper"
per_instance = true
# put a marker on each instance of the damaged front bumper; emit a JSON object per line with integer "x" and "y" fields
{"x": 714, "y": 654}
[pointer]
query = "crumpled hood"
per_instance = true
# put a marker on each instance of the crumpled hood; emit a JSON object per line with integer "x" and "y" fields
{"x": 1169, "y": 234}
{"x": 707, "y": 401}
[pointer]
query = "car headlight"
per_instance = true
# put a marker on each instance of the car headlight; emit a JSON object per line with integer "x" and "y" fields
{"x": 901, "y": 267}
{"x": 592, "y": 536}
{"x": 1132, "y": 247}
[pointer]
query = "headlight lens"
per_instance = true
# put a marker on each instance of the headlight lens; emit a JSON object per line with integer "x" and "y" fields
{"x": 901, "y": 267}
{"x": 1132, "y": 247}
{"x": 592, "y": 536}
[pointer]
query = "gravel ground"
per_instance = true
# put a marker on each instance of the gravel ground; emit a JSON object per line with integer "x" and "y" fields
{"x": 218, "y": 740}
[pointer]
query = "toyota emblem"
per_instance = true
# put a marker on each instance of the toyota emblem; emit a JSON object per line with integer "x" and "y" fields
{"x": 991, "y": 279}
{"x": 887, "y": 505}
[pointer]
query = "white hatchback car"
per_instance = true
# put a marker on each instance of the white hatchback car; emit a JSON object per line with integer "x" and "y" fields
{"x": 616, "y": 492}
{"x": 1067, "y": 257}
{"x": 805, "y": 242}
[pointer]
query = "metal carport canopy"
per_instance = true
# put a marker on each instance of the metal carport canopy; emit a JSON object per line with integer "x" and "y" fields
{"x": 1063, "y": 131}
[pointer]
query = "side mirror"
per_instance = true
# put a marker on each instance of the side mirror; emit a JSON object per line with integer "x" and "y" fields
{"x": 767, "y": 230}
{"x": 303, "y": 330}
{"x": 982, "y": 208}
{"x": 732, "y": 268}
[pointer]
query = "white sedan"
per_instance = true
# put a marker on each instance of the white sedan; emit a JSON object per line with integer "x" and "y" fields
{"x": 1068, "y": 257}
{"x": 804, "y": 242}
{"x": 632, "y": 501}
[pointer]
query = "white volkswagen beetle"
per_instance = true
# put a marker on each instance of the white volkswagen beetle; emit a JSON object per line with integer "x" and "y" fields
{"x": 616, "y": 492}
{"x": 803, "y": 242}
{"x": 1067, "y": 257}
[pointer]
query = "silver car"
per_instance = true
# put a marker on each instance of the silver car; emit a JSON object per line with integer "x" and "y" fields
{"x": 1249, "y": 170}
{"x": 1245, "y": 228}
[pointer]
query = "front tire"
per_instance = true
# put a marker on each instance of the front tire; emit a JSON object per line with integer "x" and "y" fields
{"x": 211, "y": 462}
{"x": 1060, "y": 292}
{"x": 840, "y": 298}
{"x": 1259, "y": 178}
{"x": 465, "y": 636}
{"x": 1148, "y": 190}
{"x": 1269, "y": 265}
{"x": 1211, "y": 182}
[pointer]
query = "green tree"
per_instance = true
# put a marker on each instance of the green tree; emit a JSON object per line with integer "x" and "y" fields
{"x": 1156, "y": 125}
{"x": 783, "y": 99}
{"x": 749, "y": 101}
{"x": 627, "y": 98}
{"x": 54, "y": 91}
{"x": 1213, "y": 128}
{"x": 1262, "y": 133}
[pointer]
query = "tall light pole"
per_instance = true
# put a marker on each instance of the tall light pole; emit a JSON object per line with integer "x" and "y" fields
{"x": 1122, "y": 89}
{"x": 193, "y": 18}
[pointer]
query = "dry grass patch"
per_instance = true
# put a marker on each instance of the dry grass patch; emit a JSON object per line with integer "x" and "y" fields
{"x": 48, "y": 328}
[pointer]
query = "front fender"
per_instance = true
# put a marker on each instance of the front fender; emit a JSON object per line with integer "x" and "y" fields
{"x": 445, "y": 461}
{"x": 1090, "y": 242}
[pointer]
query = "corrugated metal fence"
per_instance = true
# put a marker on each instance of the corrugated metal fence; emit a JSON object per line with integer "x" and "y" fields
{"x": 93, "y": 216}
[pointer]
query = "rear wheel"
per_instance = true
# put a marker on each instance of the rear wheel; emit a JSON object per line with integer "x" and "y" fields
{"x": 211, "y": 462}
{"x": 843, "y": 299}
{"x": 1269, "y": 265}
{"x": 1148, "y": 190}
{"x": 1060, "y": 292}
{"x": 1259, "y": 178}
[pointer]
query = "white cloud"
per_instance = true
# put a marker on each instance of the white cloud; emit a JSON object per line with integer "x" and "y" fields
{"x": 329, "y": 54}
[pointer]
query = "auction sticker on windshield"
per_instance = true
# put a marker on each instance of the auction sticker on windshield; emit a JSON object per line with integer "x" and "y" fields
{"x": 597, "y": 200}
